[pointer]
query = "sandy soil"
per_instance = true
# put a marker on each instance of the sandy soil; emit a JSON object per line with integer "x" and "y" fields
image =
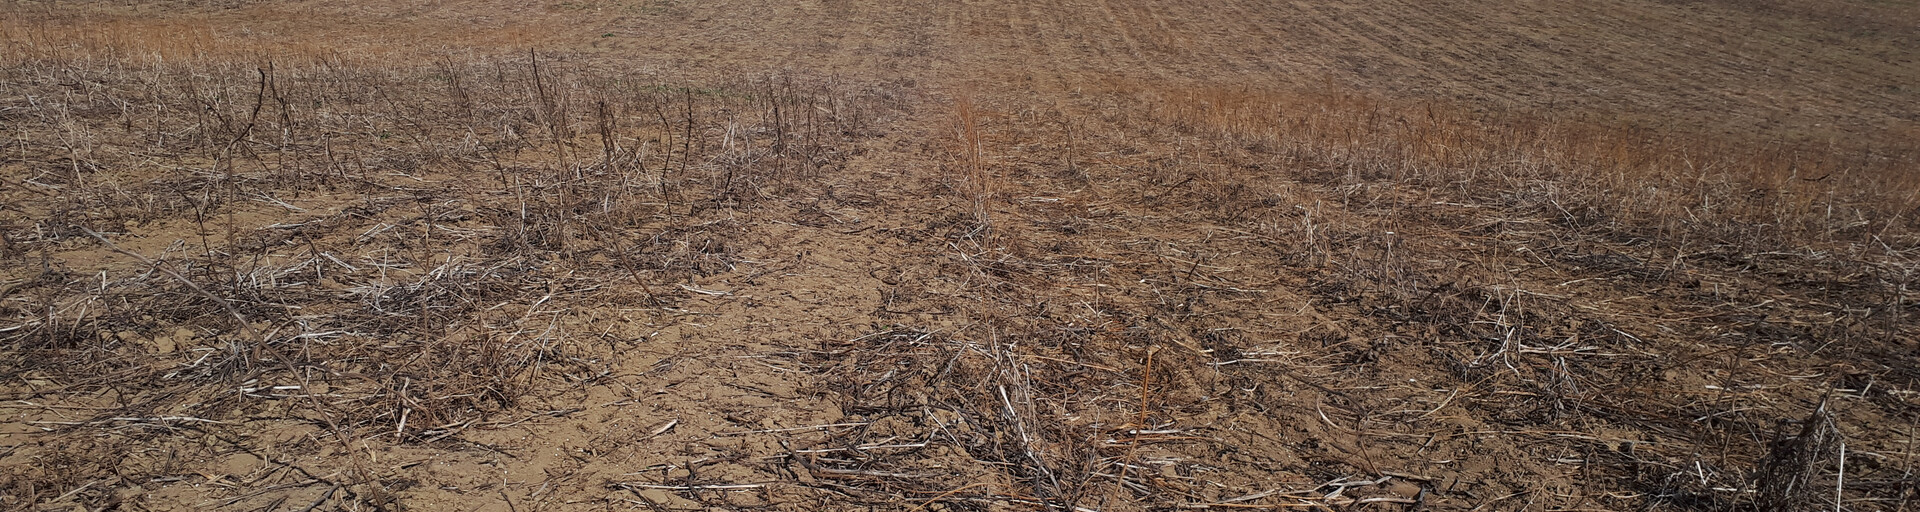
{"x": 1122, "y": 315}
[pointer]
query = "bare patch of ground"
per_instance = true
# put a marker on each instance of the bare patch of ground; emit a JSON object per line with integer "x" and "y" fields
{"x": 1086, "y": 255}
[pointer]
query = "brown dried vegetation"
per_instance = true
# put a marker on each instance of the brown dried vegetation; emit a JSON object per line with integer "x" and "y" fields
{"x": 277, "y": 275}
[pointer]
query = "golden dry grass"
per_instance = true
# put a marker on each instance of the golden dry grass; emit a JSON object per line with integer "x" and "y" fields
{"x": 1679, "y": 185}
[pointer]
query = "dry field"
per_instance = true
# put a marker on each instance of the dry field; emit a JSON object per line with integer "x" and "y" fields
{"x": 1078, "y": 255}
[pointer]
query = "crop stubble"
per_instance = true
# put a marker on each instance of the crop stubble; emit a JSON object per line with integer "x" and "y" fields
{"x": 1094, "y": 255}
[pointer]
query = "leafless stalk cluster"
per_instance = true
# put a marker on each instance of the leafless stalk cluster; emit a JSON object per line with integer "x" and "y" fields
{"x": 1147, "y": 297}
{"x": 1545, "y": 277}
{"x": 380, "y": 249}
{"x": 1793, "y": 466}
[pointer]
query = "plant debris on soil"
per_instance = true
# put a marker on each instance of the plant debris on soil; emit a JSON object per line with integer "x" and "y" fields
{"x": 1081, "y": 256}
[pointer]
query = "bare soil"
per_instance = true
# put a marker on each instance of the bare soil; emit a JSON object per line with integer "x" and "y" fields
{"x": 1077, "y": 255}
